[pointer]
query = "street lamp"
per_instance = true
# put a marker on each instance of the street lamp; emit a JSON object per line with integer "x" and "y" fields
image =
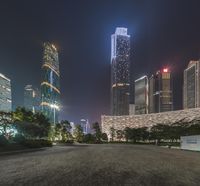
{"x": 55, "y": 107}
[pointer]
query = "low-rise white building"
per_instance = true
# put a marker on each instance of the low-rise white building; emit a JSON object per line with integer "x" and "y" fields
{"x": 147, "y": 120}
{"x": 190, "y": 142}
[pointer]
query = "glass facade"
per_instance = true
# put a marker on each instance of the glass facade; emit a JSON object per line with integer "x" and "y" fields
{"x": 50, "y": 85}
{"x": 160, "y": 92}
{"x": 32, "y": 98}
{"x": 5, "y": 94}
{"x": 141, "y": 95}
{"x": 191, "y": 86}
{"x": 120, "y": 72}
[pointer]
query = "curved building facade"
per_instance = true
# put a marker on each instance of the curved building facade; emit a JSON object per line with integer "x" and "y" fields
{"x": 50, "y": 85}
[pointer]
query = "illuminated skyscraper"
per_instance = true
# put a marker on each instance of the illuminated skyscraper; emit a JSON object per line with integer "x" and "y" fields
{"x": 120, "y": 72}
{"x": 191, "y": 85}
{"x": 32, "y": 98}
{"x": 141, "y": 95}
{"x": 85, "y": 126}
{"x": 160, "y": 92}
{"x": 50, "y": 85}
{"x": 5, "y": 94}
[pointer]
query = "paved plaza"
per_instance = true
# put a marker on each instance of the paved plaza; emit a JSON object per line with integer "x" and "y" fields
{"x": 94, "y": 165}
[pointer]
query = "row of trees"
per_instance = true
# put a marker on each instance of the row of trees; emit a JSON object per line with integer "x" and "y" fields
{"x": 31, "y": 125}
{"x": 158, "y": 132}
{"x": 63, "y": 133}
{"x": 26, "y": 123}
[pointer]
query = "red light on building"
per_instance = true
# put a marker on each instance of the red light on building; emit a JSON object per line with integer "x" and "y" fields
{"x": 165, "y": 70}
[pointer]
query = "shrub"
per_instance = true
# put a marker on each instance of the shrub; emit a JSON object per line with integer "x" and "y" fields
{"x": 3, "y": 140}
{"x": 19, "y": 139}
{"x": 69, "y": 141}
{"x": 89, "y": 138}
{"x": 38, "y": 143}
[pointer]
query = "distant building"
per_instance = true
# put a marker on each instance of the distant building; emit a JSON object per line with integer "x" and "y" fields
{"x": 152, "y": 94}
{"x": 120, "y": 72}
{"x": 50, "y": 85}
{"x": 5, "y": 94}
{"x": 191, "y": 85}
{"x": 85, "y": 126}
{"x": 131, "y": 109}
{"x": 161, "y": 92}
{"x": 32, "y": 98}
{"x": 141, "y": 95}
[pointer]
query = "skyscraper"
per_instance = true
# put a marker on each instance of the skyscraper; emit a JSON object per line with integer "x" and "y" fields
{"x": 151, "y": 94}
{"x": 160, "y": 92}
{"x": 191, "y": 85}
{"x": 85, "y": 126}
{"x": 50, "y": 85}
{"x": 120, "y": 72}
{"x": 32, "y": 98}
{"x": 5, "y": 94}
{"x": 141, "y": 95}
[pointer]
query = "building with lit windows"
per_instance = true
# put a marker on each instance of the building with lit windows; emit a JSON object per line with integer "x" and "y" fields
{"x": 191, "y": 85}
{"x": 141, "y": 95}
{"x": 50, "y": 85}
{"x": 5, "y": 94}
{"x": 32, "y": 98}
{"x": 120, "y": 72}
{"x": 85, "y": 126}
{"x": 151, "y": 94}
{"x": 160, "y": 92}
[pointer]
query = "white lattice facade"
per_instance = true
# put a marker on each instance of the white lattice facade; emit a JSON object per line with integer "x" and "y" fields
{"x": 147, "y": 120}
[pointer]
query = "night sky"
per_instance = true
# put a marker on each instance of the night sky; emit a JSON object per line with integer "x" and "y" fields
{"x": 163, "y": 34}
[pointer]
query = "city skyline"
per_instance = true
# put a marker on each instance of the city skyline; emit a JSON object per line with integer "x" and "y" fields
{"x": 84, "y": 46}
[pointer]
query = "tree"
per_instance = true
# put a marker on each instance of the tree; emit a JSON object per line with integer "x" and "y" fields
{"x": 78, "y": 133}
{"x": 58, "y": 131}
{"x": 62, "y": 131}
{"x": 127, "y": 133}
{"x": 88, "y": 138}
{"x": 120, "y": 134}
{"x": 31, "y": 125}
{"x": 97, "y": 133}
{"x": 112, "y": 133}
{"x": 104, "y": 137}
{"x": 144, "y": 133}
{"x": 5, "y": 123}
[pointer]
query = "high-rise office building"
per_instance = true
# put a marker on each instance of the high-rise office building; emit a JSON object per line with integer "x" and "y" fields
{"x": 32, "y": 98}
{"x": 120, "y": 72}
{"x": 191, "y": 85}
{"x": 141, "y": 95}
{"x": 160, "y": 92}
{"x": 85, "y": 126}
{"x": 50, "y": 85}
{"x": 151, "y": 94}
{"x": 5, "y": 94}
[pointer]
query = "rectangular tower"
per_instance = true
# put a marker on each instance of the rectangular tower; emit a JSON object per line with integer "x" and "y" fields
{"x": 120, "y": 72}
{"x": 141, "y": 95}
{"x": 32, "y": 98}
{"x": 161, "y": 92}
{"x": 5, "y": 94}
{"x": 151, "y": 94}
{"x": 191, "y": 85}
{"x": 50, "y": 85}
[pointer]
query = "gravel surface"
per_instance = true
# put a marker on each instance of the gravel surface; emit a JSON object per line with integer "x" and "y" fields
{"x": 94, "y": 165}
